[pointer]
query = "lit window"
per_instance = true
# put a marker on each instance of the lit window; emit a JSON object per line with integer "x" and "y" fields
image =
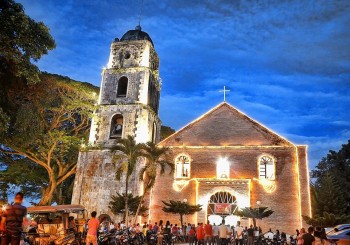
{"x": 182, "y": 167}
{"x": 222, "y": 169}
{"x": 116, "y": 127}
{"x": 266, "y": 168}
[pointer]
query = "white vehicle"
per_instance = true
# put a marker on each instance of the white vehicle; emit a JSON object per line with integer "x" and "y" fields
{"x": 340, "y": 237}
{"x": 338, "y": 228}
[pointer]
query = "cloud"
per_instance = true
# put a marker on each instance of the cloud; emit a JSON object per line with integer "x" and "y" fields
{"x": 287, "y": 63}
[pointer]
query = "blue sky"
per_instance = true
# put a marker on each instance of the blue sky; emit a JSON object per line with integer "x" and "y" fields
{"x": 287, "y": 63}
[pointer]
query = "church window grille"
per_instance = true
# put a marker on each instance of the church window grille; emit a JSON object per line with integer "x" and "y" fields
{"x": 182, "y": 167}
{"x": 266, "y": 168}
{"x": 116, "y": 127}
{"x": 122, "y": 87}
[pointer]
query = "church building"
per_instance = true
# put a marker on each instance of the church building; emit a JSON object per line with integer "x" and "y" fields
{"x": 224, "y": 160}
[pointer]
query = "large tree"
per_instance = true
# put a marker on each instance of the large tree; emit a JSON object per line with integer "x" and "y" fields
{"x": 156, "y": 156}
{"x": 327, "y": 196}
{"x": 127, "y": 154}
{"x": 334, "y": 169}
{"x": 48, "y": 122}
{"x": 22, "y": 40}
{"x": 254, "y": 213}
{"x": 181, "y": 208}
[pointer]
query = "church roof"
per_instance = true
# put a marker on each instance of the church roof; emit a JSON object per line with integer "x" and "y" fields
{"x": 225, "y": 125}
{"x": 136, "y": 34}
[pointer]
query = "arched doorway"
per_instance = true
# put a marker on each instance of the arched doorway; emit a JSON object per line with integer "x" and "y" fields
{"x": 221, "y": 205}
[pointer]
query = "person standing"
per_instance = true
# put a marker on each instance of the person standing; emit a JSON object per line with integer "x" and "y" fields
{"x": 208, "y": 233}
{"x": 250, "y": 235}
{"x": 239, "y": 234}
{"x": 200, "y": 234}
{"x": 300, "y": 236}
{"x": 12, "y": 220}
{"x": 215, "y": 239}
{"x": 93, "y": 225}
{"x": 223, "y": 231}
{"x": 308, "y": 237}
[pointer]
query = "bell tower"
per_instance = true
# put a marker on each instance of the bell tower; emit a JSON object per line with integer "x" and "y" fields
{"x": 128, "y": 105}
{"x": 129, "y": 95}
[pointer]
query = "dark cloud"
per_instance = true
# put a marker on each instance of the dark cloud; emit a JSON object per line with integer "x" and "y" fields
{"x": 287, "y": 63}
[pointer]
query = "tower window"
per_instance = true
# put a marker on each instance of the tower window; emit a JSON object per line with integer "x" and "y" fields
{"x": 182, "y": 164}
{"x": 122, "y": 87}
{"x": 266, "y": 168}
{"x": 116, "y": 127}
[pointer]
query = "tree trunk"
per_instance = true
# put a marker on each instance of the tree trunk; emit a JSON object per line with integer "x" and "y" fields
{"x": 254, "y": 222}
{"x": 140, "y": 204}
{"x": 46, "y": 199}
{"x": 181, "y": 219}
{"x": 126, "y": 202}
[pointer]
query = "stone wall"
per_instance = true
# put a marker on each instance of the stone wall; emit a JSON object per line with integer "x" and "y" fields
{"x": 95, "y": 182}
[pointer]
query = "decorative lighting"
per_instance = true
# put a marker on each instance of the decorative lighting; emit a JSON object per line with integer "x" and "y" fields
{"x": 222, "y": 168}
{"x": 268, "y": 185}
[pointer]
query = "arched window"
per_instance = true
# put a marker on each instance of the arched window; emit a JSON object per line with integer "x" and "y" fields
{"x": 182, "y": 164}
{"x": 266, "y": 167}
{"x": 122, "y": 87}
{"x": 154, "y": 132}
{"x": 116, "y": 127}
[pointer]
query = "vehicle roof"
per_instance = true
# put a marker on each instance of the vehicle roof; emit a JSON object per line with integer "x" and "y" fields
{"x": 343, "y": 234}
{"x": 56, "y": 209}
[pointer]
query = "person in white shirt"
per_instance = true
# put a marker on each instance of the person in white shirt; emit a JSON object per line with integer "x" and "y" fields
{"x": 215, "y": 234}
{"x": 223, "y": 231}
{"x": 239, "y": 234}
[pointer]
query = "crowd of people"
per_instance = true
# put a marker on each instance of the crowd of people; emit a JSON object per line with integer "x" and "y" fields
{"x": 212, "y": 234}
{"x": 224, "y": 234}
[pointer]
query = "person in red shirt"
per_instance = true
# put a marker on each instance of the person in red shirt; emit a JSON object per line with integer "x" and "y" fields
{"x": 191, "y": 235}
{"x": 200, "y": 234}
{"x": 208, "y": 230}
{"x": 93, "y": 225}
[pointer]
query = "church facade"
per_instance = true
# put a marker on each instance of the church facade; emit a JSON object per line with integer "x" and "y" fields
{"x": 223, "y": 160}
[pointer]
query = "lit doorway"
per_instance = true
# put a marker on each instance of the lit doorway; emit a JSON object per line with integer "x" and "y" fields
{"x": 221, "y": 206}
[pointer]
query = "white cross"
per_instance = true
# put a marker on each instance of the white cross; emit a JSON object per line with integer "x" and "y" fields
{"x": 225, "y": 90}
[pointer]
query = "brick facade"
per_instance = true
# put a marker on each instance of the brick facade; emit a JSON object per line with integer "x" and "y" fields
{"x": 226, "y": 132}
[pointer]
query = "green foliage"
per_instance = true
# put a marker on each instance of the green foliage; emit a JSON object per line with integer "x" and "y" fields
{"x": 327, "y": 196}
{"x": 126, "y": 155}
{"x": 181, "y": 208}
{"x": 156, "y": 157}
{"x": 165, "y": 132}
{"x": 117, "y": 205}
{"x": 332, "y": 183}
{"x": 254, "y": 213}
{"x": 327, "y": 220}
{"x": 21, "y": 41}
{"x": 47, "y": 122}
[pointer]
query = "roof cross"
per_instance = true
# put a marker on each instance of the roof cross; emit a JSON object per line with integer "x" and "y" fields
{"x": 225, "y": 90}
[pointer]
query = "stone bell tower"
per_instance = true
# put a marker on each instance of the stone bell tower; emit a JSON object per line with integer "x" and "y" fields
{"x": 128, "y": 105}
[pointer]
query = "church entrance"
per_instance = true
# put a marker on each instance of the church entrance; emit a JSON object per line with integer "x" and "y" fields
{"x": 221, "y": 206}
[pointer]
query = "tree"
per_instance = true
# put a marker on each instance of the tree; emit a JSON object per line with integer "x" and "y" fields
{"x": 328, "y": 197}
{"x": 21, "y": 41}
{"x": 48, "y": 121}
{"x": 165, "y": 132}
{"x": 336, "y": 164}
{"x": 117, "y": 205}
{"x": 327, "y": 220}
{"x": 181, "y": 208}
{"x": 156, "y": 157}
{"x": 254, "y": 213}
{"x": 127, "y": 153}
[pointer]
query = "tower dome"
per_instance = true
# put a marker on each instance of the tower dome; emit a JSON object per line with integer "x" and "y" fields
{"x": 136, "y": 34}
